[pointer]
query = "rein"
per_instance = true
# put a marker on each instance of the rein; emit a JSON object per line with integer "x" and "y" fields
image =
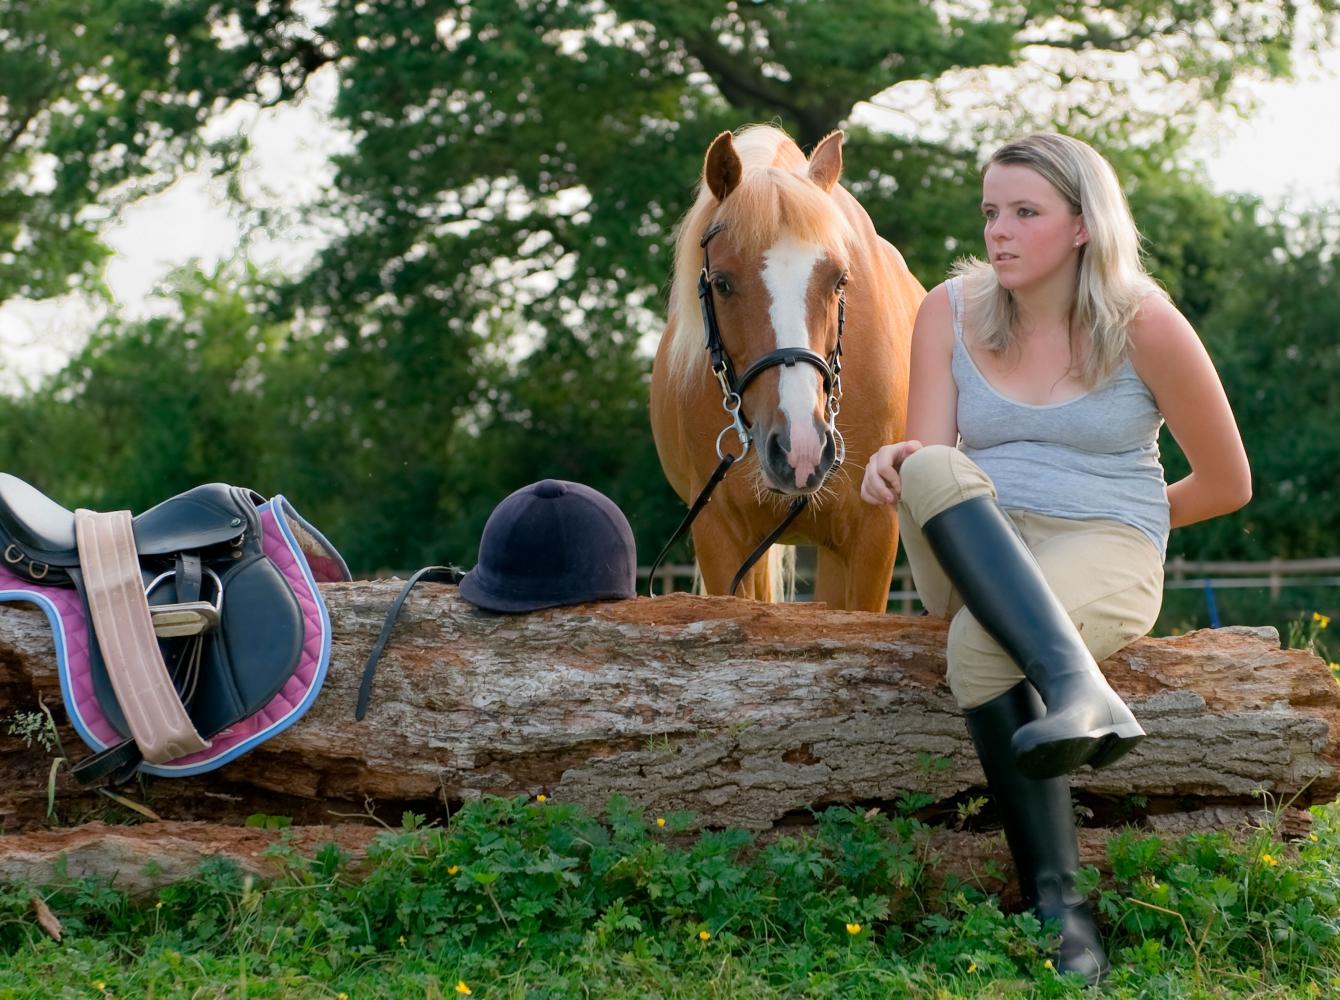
{"x": 732, "y": 392}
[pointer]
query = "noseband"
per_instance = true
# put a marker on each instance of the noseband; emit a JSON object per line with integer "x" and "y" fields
{"x": 732, "y": 393}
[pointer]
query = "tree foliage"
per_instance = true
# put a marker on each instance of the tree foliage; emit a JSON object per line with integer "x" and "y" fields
{"x": 102, "y": 101}
{"x": 505, "y": 216}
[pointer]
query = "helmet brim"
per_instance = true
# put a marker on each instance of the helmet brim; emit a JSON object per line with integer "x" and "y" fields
{"x": 473, "y": 589}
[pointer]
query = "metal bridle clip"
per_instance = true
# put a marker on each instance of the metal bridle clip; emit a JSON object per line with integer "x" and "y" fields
{"x": 839, "y": 442}
{"x": 740, "y": 434}
{"x": 13, "y": 554}
{"x": 834, "y": 408}
{"x": 736, "y": 425}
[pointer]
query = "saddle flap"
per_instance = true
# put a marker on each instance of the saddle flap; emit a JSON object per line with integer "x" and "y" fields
{"x": 255, "y": 649}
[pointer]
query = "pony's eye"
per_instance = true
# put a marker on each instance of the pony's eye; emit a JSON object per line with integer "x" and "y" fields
{"x": 841, "y": 283}
{"x": 720, "y": 285}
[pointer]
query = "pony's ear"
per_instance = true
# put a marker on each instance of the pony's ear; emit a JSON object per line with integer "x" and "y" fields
{"x": 826, "y": 161}
{"x": 722, "y": 169}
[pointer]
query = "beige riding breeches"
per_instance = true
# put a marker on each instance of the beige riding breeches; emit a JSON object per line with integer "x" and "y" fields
{"x": 1107, "y": 575}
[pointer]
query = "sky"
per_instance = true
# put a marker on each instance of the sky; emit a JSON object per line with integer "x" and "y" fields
{"x": 1287, "y": 151}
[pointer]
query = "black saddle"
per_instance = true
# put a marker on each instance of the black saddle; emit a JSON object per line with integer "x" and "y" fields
{"x": 40, "y": 539}
{"x": 227, "y": 617}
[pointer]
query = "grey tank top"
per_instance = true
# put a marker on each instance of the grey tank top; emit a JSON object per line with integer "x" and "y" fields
{"x": 1094, "y": 456}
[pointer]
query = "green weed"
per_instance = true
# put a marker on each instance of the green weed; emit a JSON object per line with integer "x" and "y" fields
{"x": 523, "y": 898}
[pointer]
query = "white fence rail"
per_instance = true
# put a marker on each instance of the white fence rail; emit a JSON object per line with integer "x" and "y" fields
{"x": 1178, "y": 574}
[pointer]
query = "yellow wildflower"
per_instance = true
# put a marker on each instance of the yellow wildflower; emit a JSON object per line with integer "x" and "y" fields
{"x": 1269, "y": 860}
{"x": 972, "y": 966}
{"x": 342, "y": 996}
{"x": 1321, "y": 620}
{"x": 1313, "y": 837}
{"x": 453, "y": 869}
{"x": 98, "y": 984}
{"x": 541, "y": 798}
{"x": 402, "y": 940}
{"x": 462, "y": 989}
{"x": 704, "y": 935}
{"x": 660, "y": 821}
{"x": 853, "y": 928}
{"x": 1048, "y": 965}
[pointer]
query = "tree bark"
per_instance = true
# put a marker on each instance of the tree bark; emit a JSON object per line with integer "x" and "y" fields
{"x": 745, "y": 714}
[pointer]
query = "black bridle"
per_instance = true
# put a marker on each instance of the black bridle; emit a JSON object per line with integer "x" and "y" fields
{"x": 731, "y": 385}
{"x": 732, "y": 401}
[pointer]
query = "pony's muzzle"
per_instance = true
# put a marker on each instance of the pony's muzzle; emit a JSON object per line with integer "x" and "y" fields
{"x": 797, "y": 470}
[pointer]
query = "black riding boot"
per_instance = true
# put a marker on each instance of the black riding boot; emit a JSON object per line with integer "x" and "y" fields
{"x": 1040, "y": 829}
{"x": 1000, "y": 583}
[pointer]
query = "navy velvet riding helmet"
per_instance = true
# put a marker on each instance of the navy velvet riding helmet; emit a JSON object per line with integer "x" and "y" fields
{"x": 552, "y": 543}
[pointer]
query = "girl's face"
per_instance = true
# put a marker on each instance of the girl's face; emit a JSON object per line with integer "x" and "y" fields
{"x": 1031, "y": 233}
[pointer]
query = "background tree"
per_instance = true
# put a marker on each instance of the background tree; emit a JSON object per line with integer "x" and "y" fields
{"x": 506, "y": 206}
{"x": 103, "y": 101}
{"x": 517, "y": 170}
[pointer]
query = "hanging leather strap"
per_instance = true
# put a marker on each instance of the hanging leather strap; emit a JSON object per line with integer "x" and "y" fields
{"x": 433, "y": 574}
{"x": 705, "y": 495}
{"x": 776, "y": 533}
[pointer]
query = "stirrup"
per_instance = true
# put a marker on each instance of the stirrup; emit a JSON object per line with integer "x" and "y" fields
{"x": 173, "y": 621}
{"x": 185, "y": 618}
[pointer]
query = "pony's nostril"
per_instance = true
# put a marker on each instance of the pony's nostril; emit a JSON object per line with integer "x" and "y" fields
{"x": 776, "y": 451}
{"x": 830, "y": 450}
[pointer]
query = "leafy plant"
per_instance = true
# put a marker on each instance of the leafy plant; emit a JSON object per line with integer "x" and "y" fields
{"x": 522, "y": 897}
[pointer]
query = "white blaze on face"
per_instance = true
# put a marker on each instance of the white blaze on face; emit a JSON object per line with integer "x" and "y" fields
{"x": 787, "y": 267}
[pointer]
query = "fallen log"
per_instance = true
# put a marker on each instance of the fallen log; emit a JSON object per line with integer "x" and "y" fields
{"x": 745, "y": 714}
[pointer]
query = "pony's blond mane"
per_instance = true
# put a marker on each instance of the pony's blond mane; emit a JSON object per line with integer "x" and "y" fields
{"x": 775, "y": 197}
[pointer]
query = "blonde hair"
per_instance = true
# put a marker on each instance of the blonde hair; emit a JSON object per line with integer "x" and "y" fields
{"x": 1112, "y": 279}
{"x": 774, "y": 197}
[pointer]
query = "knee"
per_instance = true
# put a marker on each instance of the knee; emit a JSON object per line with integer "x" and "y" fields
{"x": 926, "y": 467}
{"x": 978, "y": 668}
{"x": 937, "y": 477}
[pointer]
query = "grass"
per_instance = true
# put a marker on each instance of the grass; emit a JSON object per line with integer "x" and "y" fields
{"x": 528, "y": 899}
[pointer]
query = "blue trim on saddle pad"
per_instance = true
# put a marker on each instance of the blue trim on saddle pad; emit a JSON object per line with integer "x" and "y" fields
{"x": 57, "y": 624}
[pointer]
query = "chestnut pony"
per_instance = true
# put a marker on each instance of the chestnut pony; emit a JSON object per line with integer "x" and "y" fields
{"x": 792, "y": 263}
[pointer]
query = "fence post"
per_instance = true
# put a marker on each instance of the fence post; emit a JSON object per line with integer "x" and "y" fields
{"x": 1177, "y": 567}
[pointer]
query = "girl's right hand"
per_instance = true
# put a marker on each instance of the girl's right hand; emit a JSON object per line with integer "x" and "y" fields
{"x": 882, "y": 484}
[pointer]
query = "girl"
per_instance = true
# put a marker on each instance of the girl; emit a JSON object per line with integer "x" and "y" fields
{"x": 1033, "y": 506}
